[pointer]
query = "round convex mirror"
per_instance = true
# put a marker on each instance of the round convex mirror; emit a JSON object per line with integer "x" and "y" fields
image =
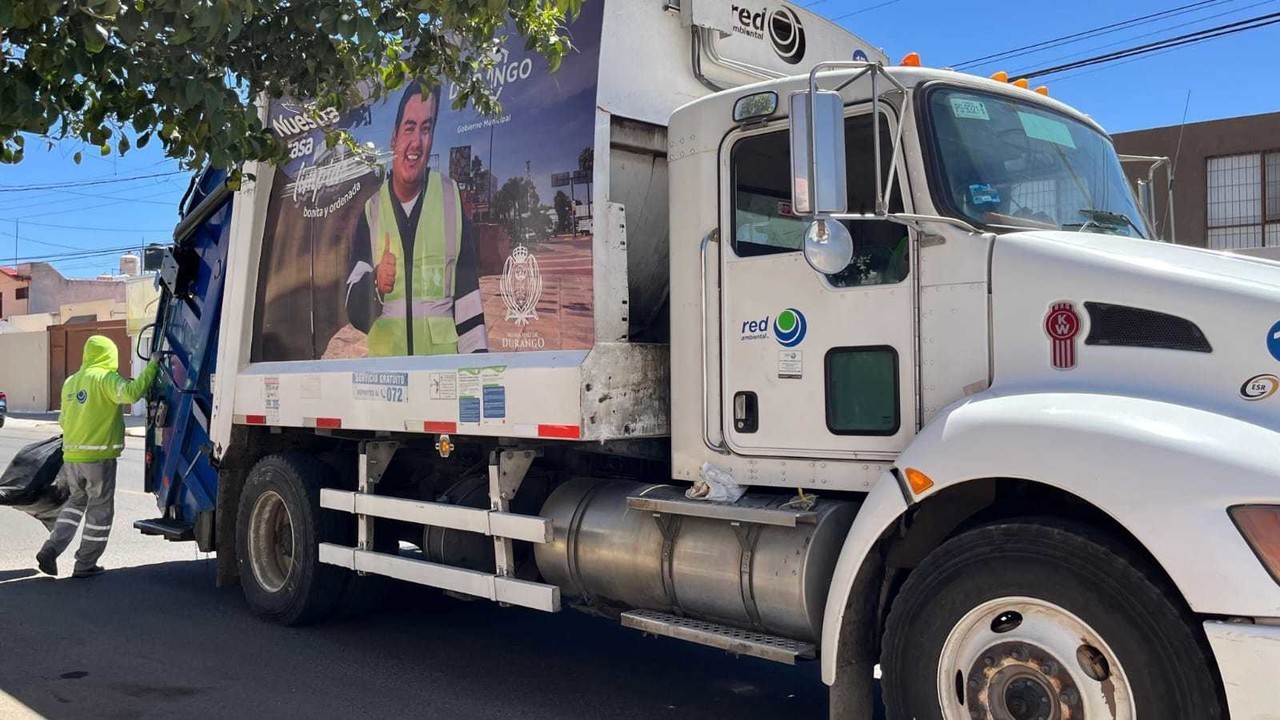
{"x": 828, "y": 245}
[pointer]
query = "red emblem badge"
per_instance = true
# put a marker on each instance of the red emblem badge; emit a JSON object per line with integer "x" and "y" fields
{"x": 1062, "y": 324}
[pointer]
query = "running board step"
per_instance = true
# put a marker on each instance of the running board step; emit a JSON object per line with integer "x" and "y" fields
{"x": 498, "y": 588}
{"x": 669, "y": 500}
{"x": 168, "y": 528}
{"x": 734, "y": 640}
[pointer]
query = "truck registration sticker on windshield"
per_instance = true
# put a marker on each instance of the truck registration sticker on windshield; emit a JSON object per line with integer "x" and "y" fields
{"x": 969, "y": 109}
{"x": 390, "y": 387}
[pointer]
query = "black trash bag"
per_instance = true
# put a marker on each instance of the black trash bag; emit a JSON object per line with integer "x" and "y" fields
{"x": 32, "y": 473}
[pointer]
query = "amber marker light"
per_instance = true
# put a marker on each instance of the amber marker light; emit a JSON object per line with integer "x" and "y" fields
{"x": 918, "y": 481}
{"x": 1260, "y": 526}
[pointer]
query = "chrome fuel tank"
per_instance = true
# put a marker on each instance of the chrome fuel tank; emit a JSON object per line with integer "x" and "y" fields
{"x": 766, "y": 577}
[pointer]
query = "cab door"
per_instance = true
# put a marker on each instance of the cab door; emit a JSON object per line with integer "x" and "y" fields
{"x": 813, "y": 365}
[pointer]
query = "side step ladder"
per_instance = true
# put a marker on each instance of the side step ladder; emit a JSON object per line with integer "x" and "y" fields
{"x": 168, "y": 528}
{"x": 506, "y": 472}
{"x": 731, "y": 639}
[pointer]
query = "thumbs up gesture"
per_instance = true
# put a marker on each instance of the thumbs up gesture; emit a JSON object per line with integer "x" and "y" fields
{"x": 386, "y": 279}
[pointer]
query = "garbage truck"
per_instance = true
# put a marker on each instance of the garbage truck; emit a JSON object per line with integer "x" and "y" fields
{"x": 735, "y": 333}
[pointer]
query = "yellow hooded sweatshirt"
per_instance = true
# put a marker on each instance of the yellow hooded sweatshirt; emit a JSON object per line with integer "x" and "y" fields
{"x": 91, "y": 419}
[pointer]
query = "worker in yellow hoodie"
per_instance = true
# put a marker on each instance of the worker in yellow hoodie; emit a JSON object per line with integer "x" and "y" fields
{"x": 92, "y": 423}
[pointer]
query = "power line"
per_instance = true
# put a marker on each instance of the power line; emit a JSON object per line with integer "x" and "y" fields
{"x": 1140, "y": 36}
{"x": 85, "y": 183}
{"x": 111, "y": 200}
{"x": 96, "y": 229}
{"x": 1092, "y": 32}
{"x": 1187, "y": 39}
{"x": 866, "y": 9}
{"x": 81, "y": 255}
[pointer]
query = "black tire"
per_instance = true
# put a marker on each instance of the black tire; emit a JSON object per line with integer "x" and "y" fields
{"x": 305, "y": 590}
{"x": 1153, "y": 638}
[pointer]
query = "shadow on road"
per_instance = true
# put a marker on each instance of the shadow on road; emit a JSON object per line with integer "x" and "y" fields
{"x": 160, "y": 641}
{"x": 17, "y": 574}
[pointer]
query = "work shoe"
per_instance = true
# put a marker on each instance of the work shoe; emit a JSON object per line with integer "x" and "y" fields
{"x": 88, "y": 572}
{"x": 47, "y": 562}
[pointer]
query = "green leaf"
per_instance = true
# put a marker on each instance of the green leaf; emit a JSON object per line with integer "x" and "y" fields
{"x": 95, "y": 37}
{"x": 143, "y": 139}
{"x": 105, "y": 149}
{"x": 77, "y": 157}
{"x": 123, "y": 145}
{"x": 129, "y": 25}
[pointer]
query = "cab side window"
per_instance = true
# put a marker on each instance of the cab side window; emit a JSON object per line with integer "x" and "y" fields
{"x": 764, "y": 224}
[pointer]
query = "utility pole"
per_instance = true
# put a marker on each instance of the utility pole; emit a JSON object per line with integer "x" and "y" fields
{"x": 15, "y": 244}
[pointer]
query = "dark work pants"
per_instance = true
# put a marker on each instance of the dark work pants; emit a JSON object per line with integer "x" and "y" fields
{"x": 93, "y": 500}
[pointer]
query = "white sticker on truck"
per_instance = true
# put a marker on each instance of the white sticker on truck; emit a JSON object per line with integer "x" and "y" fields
{"x": 392, "y": 387}
{"x": 444, "y": 386}
{"x": 969, "y": 109}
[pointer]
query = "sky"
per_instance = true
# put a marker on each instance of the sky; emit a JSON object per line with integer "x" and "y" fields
{"x": 1226, "y": 77}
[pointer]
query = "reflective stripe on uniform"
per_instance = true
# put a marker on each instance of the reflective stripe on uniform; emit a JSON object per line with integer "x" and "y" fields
{"x": 93, "y": 538}
{"x": 70, "y": 510}
{"x": 469, "y": 306}
{"x": 87, "y": 526}
{"x": 70, "y": 521}
{"x": 92, "y": 447}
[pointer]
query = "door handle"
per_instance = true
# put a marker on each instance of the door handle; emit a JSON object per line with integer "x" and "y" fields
{"x": 746, "y": 412}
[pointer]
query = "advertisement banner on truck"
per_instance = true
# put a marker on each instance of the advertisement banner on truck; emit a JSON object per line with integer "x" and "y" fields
{"x": 447, "y": 231}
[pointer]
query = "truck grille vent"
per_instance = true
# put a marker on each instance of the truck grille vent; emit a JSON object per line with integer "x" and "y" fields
{"x": 1124, "y": 326}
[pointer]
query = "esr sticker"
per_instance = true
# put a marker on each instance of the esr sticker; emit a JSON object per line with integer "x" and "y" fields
{"x": 1259, "y": 387}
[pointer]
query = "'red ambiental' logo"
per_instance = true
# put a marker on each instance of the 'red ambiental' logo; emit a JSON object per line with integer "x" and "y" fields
{"x": 1062, "y": 324}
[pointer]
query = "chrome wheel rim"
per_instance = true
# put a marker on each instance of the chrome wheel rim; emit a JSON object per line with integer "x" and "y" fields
{"x": 271, "y": 542}
{"x": 1020, "y": 658}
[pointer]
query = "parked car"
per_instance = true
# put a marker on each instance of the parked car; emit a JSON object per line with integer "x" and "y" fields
{"x": 4, "y": 408}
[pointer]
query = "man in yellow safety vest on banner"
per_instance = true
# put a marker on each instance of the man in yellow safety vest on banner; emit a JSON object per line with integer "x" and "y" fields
{"x": 414, "y": 286}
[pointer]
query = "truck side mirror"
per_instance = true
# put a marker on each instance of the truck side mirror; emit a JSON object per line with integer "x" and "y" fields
{"x": 818, "y": 177}
{"x": 828, "y": 245}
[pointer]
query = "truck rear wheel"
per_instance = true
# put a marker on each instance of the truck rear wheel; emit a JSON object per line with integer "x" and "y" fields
{"x": 1021, "y": 621}
{"x": 278, "y": 528}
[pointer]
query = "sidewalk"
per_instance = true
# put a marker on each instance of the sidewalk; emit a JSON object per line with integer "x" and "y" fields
{"x": 134, "y": 425}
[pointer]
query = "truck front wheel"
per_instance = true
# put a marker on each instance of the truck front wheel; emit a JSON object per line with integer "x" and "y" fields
{"x": 278, "y": 528}
{"x": 1023, "y": 621}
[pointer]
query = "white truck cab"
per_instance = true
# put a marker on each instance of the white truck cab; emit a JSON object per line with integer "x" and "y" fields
{"x": 1000, "y": 334}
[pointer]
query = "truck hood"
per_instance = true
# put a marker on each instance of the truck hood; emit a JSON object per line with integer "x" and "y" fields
{"x": 1104, "y": 314}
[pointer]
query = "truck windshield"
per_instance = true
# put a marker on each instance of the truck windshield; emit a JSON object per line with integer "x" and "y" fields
{"x": 1013, "y": 165}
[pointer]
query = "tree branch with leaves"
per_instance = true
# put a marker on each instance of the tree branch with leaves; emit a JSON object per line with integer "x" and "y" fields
{"x": 188, "y": 72}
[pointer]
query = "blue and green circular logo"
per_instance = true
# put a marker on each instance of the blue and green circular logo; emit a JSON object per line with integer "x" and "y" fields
{"x": 789, "y": 327}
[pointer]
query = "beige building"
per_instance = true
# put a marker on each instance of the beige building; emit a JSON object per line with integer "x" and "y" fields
{"x": 14, "y": 290}
{"x": 24, "y": 370}
{"x": 37, "y": 297}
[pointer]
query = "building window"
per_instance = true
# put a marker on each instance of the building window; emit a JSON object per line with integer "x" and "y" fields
{"x": 1244, "y": 201}
{"x": 21, "y": 293}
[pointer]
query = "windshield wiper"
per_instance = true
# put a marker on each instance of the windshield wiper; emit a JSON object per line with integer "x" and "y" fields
{"x": 1107, "y": 219}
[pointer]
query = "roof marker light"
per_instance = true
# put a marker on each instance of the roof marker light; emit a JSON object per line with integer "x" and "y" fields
{"x": 1022, "y": 83}
{"x": 911, "y": 59}
{"x": 1000, "y": 76}
{"x": 1043, "y": 90}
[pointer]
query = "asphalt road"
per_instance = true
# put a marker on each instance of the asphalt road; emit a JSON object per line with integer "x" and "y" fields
{"x": 153, "y": 638}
